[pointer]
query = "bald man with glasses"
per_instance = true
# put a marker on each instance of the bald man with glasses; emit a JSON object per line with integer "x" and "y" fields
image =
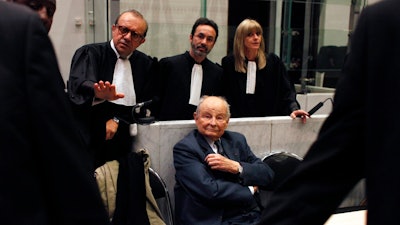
{"x": 106, "y": 80}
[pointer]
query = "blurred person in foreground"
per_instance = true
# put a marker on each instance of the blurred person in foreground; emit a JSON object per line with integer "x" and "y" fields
{"x": 360, "y": 137}
{"x": 217, "y": 174}
{"x": 45, "y": 172}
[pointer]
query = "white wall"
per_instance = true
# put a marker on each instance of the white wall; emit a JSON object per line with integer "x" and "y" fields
{"x": 66, "y": 36}
{"x": 170, "y": 24}
{"x": 334, "y": 25}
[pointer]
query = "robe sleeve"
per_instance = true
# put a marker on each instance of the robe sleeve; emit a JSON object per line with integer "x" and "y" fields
{"x": 82, "y": 76}
{"x": 287, "y": 89}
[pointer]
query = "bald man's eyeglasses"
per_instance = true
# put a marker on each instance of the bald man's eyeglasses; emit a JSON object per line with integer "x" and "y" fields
{"x": 124, "y": 31}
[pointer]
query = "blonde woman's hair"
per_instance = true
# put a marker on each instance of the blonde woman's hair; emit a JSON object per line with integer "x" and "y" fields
{"x": 245, "y": 28}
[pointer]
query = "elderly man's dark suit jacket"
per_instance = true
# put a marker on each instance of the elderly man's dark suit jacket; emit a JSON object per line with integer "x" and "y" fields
{"x": 45, "y": 178}
{"x": 361, "y": 136}
{"x": 201, "y": 194}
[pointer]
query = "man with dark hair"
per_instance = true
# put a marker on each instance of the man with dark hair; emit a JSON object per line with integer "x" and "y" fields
{"x": 186, "y": 77}
{"x": 45, "y": 9}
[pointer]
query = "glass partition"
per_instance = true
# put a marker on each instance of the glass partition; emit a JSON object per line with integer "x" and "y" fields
{"x": 315, "y": 39}
{"x": 310, "y": 36}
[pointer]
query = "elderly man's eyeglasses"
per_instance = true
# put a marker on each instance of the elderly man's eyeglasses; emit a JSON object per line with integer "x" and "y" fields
{"x": 124, "y": 31}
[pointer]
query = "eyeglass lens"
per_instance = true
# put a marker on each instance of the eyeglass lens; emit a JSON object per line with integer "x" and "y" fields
{"x": 124, "y": 31}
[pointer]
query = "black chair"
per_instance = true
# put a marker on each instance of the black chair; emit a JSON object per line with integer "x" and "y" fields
{"x": 283, "y": 164}
{"x": 161, "y": 194}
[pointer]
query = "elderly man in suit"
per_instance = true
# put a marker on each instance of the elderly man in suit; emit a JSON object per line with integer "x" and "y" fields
{"x": 217, "y": 175}
{"x": 46, "y": 177}
{"x": 359, "y": 139}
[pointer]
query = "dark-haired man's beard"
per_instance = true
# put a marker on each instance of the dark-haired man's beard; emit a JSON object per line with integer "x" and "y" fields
{"x": 200, "y": 50}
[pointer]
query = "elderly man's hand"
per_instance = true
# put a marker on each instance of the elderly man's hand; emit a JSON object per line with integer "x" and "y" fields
{"x": 221, "y": 163}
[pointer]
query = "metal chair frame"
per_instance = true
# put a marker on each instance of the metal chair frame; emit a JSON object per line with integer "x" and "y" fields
{"x": 161, "y": 194}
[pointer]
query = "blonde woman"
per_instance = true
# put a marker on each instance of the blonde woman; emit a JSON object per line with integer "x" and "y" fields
{"x": 256, "y": 83}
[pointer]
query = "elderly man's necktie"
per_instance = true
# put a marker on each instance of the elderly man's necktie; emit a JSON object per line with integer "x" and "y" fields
{"x": 219, "y": 147}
